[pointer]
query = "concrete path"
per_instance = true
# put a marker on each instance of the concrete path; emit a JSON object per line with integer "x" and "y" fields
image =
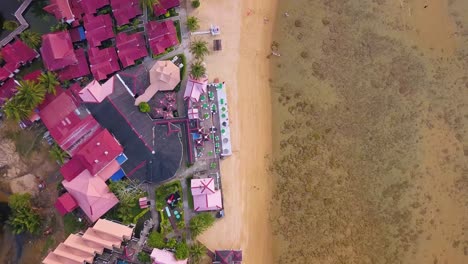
{"x": 23, "y": 24}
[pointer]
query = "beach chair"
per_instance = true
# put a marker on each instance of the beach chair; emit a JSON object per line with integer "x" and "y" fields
{"x": 174, "y": 59}
{"x": 181, "y": 66}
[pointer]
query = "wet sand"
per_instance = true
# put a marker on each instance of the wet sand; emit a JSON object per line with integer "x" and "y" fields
{"x": 371, "y": 151}
{"x": 244, "y": 67}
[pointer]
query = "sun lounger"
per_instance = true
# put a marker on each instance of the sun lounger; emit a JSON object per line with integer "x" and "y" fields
{"x": 175, "y": 59}
{"x": 181, "y": 66}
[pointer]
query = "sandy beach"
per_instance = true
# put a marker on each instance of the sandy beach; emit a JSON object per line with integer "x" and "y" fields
{"x": 242, "y": 64}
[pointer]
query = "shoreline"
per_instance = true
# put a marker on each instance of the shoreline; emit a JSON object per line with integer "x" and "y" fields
{"x": 246, "y": 181}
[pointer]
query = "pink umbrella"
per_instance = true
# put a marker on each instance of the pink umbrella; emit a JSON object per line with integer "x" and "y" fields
{"x": 167, "y": 115}
{"x": 170, "y": 107}
{"x": 158, "y": 111}
{"x": 170, "y": 97}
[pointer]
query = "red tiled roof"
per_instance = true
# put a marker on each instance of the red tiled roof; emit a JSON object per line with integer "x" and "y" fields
{"x": 99, "y": 151}
{"x": 125, "y": 10}
{"x": 57, "y": 51}
{"x": 76, "y": 8}
{"x": 75, "y": 34}
{"x": 161, "y": 35}
{"x": 7, "y": 90}
{"x": 18, "y": 53}
{"x": 103, "y": 62}
{"x": 76, "y": 70}
{"x": 98, "y": 29}
{"x": 60, "y": 9}
{"x": 32, "y": 76}
{"x": 65, "y": 204}
{"x": 91, "y": 6}
{"x": 72, "y": 168}
{"x": 163, "y": 5}
{"x": 131, "y": 47}
{"x": 4, "y": 74}
{"x": 68, "y": 125}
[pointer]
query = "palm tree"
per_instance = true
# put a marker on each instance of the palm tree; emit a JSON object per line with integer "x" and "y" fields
{"x": 193, "y": 23}
{"x": 15, "y": 111}
{"x": 30, "y": 94}
{"x": 197, "y": 251}
{"x": 199, "y": 48}
{"x": 149, "y": 4}
{"x": 197, "y": 70}
{"x": 56, "y": 153}
{"x": 31, "y": 38}
{"x": 49, "y": 81}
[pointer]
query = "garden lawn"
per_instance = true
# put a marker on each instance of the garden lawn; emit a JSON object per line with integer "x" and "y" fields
{"x": 179, "y": 34}
{"x": 71, "y": 224}
{"x": 189, "y": 193}
{"x": 164, "y": 190}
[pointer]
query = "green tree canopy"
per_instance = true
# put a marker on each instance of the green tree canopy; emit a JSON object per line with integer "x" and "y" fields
{"x": 144, "y": 107}
{"x": 197, "y": 70}
{"x": 31, "y": 38}
{"x": 23, "y": 218}
{"x": 149, "y": 4}
{"x": 15, "y": 111}
{"x": 49, "y": 81}
{"x": 197, "y": 251}
{"x": 181, "y": 251}
{"x": 193, "y": 23}
{"x": 156, "y": 240}
{"x": 56, "y": 153}
{"x": 195, "y": 3}
{"x": 10, "y": 25}
{"x": 30, "y": 94}
{"x": 200, "y": 223}
{"x": 144, "y": 257}
{"x": 199, "y": 48}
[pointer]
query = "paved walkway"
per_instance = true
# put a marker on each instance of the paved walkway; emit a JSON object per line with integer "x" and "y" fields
{"x": 23, "y": 23}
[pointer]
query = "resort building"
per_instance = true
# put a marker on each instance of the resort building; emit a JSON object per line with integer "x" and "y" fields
{"x": 163, "y": 6}
{"x": 130, "y": 47}
{"x": 103, "y": 237}
{"x": 98, "y": 29}
{"x": 125, "y": 10}
{"x": 164, "y": 76}
{"x": 228, "y": 257}
{"x": 7, "y": 90}
{"x": 205, "y": 196}
{"x": 103, "y": 62}
{"x": 61, "y": 9}
{"x": 94, "y": 92}
{"x": 15, "y": 55}
{"x": 194, "y": 89}
{"x": 57, "y": 51}
{"x": 160, "y": 256}
{"x": 161, "y": 36}
{"x": 80, "y": 69}
{"x": 89, "y": 6}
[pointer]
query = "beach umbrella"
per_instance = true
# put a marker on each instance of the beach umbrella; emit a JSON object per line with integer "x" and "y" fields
{"x": 170, "y": 97}
{"x": 167, "y": 115}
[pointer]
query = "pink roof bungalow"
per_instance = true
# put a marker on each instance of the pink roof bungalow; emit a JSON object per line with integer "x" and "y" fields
{"x": 163, "y": 6}
{"x": 228, "y": 257}
{"x": 161, "y": 35}
{"x": 98, "y": 29}
{"x": 125, "y": 10}
{"x": 194, "y": 89}
{"x": 7, "y": 90}
{"x": 89, "y": 6}
{"x": 77, "y": 70}
{"x": 65, "y": 204}
{"x": 205, "y": 197}
{"x": 160, "y": 256}
{"x": 92, "y": 195}
{"x": 103, "y": 62}
{"x": 68, "y": 124}
{"x": 57, "y": 51}
{"x": 131, "y": 48}
{"x": 61, "y": 10}
{"x": 94, "y": 92}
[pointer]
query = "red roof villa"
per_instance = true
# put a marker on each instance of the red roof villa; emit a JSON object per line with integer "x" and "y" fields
{"x": 163, "y": 6}
{"x": 7, "y": 90}
{"x": 103, "y": 62}
{"x": 57, "y": 51}
{"x": 131, "y": 48}
{"x": 161, "y": 36}
{"x": 125, "y": 10}
{"x": 77, "y": 70}
{"x": 205, "y": 196}
{"x": 98, "y": 29}
{"x": 15, "y": 55}
{"x": 89, "y": 6}
{"x": 68, "y": 124}
{"x": 61, "y": 9}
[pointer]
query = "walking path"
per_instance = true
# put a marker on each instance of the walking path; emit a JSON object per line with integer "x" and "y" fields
{"x": 23, "y": 24}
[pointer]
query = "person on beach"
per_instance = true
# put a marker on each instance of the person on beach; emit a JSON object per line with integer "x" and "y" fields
{"x": 265, "y": 20}
{"x": 286, "y": 14}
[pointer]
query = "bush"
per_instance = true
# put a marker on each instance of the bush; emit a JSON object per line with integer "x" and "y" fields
{"x": 196, "y": 4}
{"x": 181, "y": 251}
{"x": 171, "y": 243}
{"x": 144, "y": 257}
{"x": 200, "y": 223}
{"x": 23, "y": 218}
{"x": 144, "y": 107}
{"x": 10, "y": 25}
{"x": 156, "y": 240}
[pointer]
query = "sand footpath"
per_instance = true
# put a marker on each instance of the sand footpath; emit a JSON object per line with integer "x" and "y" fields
{"x": 242, "y": 64}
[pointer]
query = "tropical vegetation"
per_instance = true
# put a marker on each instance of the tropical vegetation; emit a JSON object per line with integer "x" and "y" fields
{"x": 59, "y": 27}
{"x": 193, "y": 23}
{"x": 15, "y": 111}
{"x": 30, "y": 94}
{"x": 144, "y": 257}
{"x": 200, "y": 223}
{"x": 197, "y": 251}
{"x": 199, "y": 48}
{"x": 10, "y": 25}
{"x": 49, "y": 81}
{"x": 23, "y": 218}
{"x": 196, "y": 3}
{"x": 144, "y": 107}
{"x": 156, "y": 240}
{"x": 57, "y": 154}
{"x": 197, "y": 70}
{"x": 128, "y": 195}
{"x": 149, "y": 4}
{"x": 181, "y": 251}
{"x": 31, "y": 38}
